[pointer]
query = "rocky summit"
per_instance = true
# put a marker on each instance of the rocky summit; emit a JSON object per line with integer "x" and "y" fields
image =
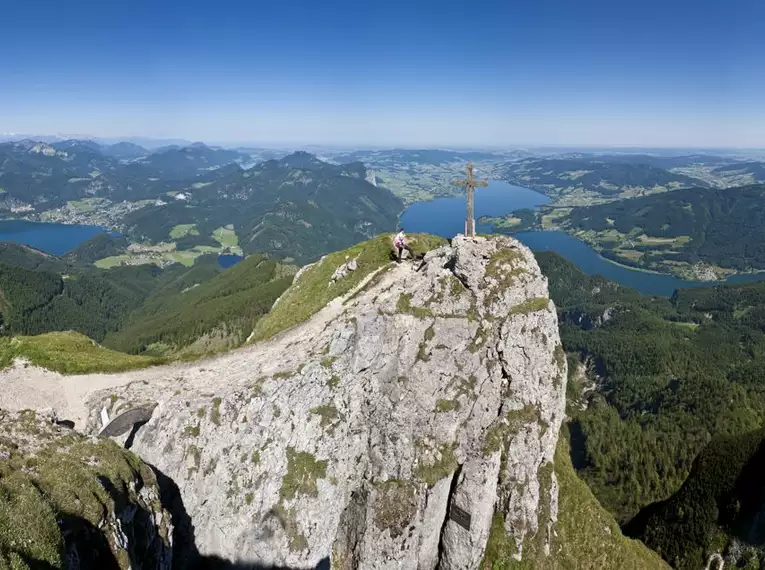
{"x": 397, "y": 427}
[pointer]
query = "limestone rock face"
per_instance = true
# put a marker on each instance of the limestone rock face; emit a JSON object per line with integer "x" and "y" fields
{"x": 75, "y": 502}
{"x": 387, "y": 431}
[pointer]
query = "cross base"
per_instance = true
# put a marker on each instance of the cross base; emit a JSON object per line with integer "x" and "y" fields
{"x": 470, "y": 227}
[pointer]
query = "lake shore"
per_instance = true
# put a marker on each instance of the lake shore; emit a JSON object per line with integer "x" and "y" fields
{"x": 446, "y": 217}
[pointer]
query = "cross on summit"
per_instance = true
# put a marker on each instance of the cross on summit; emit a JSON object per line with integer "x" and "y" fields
{"x": 470, "y": 184}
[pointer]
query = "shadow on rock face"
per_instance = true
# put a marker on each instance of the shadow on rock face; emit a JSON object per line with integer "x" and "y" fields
{"x": 186, "y": 556}
{"x": 95, "y": 554}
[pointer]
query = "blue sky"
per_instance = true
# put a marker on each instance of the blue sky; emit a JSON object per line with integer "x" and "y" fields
{"x": 658, "y": 73}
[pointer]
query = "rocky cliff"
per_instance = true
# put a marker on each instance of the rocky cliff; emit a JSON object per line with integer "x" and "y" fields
{"x": 69, "y": 501}
{"x": 397, "y": 427}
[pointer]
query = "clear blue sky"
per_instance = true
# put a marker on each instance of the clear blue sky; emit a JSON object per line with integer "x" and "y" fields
{"x": 416, "y": 72}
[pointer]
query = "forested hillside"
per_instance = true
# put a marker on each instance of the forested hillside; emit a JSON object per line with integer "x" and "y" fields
{"x": 297, "y": 208}
{"x": 212, "y": 315}
{"x": 599, "y": 176}
{"x": 720, "y": 227}
{"x": 131, "y": 308}
{"x": 663, "y": 376}
{"x": 97, "y": 247}
{"x": 29, "y": 258}
{"x": 717, "y": 510}
{"x": 89, "y": 301}
{"x": 754, "y": 169}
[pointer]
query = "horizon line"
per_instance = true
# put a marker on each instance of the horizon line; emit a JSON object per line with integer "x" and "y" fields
{"x": 12, "y": 137}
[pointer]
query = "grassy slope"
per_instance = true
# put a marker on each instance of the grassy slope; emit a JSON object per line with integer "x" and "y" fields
{"x": 235, "y": 294}
{"x": 68, "y": 353}
{"x": 228, "y": 306}
{"x": 313, "y": 290}
{"x": 586, "y": 536}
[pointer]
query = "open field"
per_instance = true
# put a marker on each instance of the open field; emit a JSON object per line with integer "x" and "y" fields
{"x": 184, "y": 230}
{"x": 226, "y": 236}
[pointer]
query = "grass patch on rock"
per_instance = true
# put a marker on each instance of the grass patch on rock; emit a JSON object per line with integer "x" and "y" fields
{"x": 447, "y": 405}
{"x": 303, "y": 470}
{"x": 404, "y": 305}
{"x": 435, "y": 464}
{"x": 314, "y": 289}
{"x": 55, "y": 485}
{"x": 532, "y": 305}
{"x": 395, "y": 505}
{"x": 328, "y": 414}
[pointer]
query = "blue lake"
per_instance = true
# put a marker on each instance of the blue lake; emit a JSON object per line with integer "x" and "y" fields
{"x": 57, "y": 239}
{"x": 227, "y": 260}
{"x": 446, "y": 217}
{"x": 52, "y": 238}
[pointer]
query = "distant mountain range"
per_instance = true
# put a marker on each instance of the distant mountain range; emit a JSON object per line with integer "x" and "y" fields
{"x": 755, "y": 169}
{"x": 297, "y": 207}
{"x": 417, "y": 156}
{"x": 657, "y": 161}
{"x": 42, "y": 175}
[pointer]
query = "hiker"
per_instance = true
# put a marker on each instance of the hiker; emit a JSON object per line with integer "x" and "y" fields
{"x": 400, "y": 244}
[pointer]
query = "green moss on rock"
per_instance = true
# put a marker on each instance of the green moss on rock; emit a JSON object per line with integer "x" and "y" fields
{"x": 303, "y": 470}
{"x": 422, "y": 352}
{"x": 328, "y": 414}
{"x": 497, "y": 435}
{"x": 532, "y": 305}
{"x": 296, "y": 541}
{"x": 504, "y": 267}
{"x": 404, "y": 306}
{"x": 215, "y": 411}
{"x": 447, "y": 405}
{"x": 435, "y": 464}
{"x": 559, "y": 356}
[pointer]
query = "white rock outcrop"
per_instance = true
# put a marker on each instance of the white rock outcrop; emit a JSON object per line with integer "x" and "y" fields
{"x": 385, "y": 432}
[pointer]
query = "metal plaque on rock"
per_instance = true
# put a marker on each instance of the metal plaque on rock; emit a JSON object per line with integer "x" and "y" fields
{"x": 460, "y": 516}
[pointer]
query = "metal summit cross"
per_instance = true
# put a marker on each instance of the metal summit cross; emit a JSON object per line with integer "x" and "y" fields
{"x": 470, "y": 184}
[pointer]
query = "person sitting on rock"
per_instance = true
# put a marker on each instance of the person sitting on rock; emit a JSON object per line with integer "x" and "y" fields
{"x": 400, "y": 244}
